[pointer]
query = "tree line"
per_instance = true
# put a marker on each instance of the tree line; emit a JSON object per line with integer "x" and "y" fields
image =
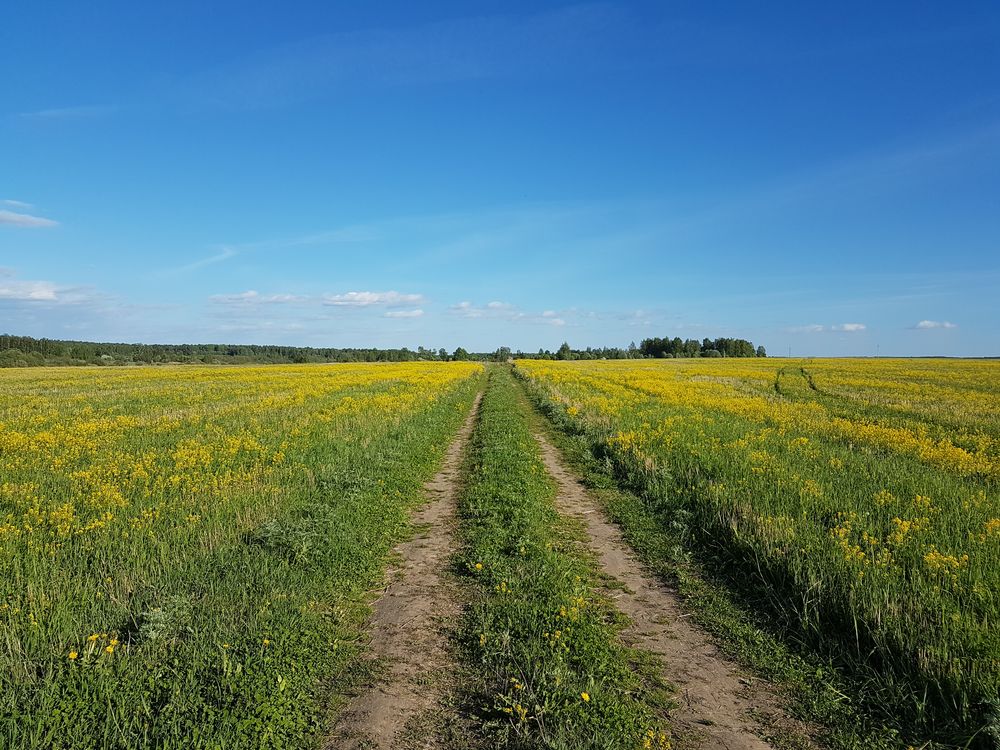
{"x": 720, "y": 347}
{"x": 25, "y": 351}
{"x": 654, "y": 348}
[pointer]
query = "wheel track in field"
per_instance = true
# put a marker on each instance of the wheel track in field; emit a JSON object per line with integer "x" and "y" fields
{"x": 410, "y": 623}
{"x": 720, "y": 707}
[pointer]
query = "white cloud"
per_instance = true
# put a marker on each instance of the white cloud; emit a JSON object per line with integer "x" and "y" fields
{"x": 367, "y": 299}
{"x": 817, "y": 328}
{"x": 505, "y": 311}
{"x": 28, "y": 290}
{"x": 20, "y": 205}
{"x": 252, "y": 297}
{"x": 814, "y": 328}
{"x": 404, "y": 313}
{"x": 467, "y": 310}
{"x": 24, "y": 220}
{"x": 37, "y": 291}
{"x": 926, "y": 325}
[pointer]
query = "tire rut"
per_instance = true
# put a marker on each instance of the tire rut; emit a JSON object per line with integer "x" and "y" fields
{"x": 719, "y": 708}
{"x": 409, "y": 623}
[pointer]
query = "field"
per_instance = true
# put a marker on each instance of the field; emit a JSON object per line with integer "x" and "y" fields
{"x": 184, "y": 551}
{"x": 189, "y": 555}
{"x": 858, "y": 499}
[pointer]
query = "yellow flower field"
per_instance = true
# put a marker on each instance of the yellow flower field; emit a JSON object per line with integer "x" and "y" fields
{"x": 861, "y": 494}
{"x": 161, "y": 531}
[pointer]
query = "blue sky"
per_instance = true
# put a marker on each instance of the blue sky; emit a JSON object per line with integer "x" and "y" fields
{"x": 820, "y": 177}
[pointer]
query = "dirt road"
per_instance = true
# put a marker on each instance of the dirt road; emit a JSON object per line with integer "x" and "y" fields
{"x": 410, "y": 623}
{"x": 720, "y": 708}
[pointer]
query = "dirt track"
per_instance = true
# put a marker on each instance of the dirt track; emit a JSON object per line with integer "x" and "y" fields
{"x": 719, "y": 709}
{"x": 410, "y": 620}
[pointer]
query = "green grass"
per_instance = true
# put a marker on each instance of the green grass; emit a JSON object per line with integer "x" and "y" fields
{"x": 541, "y": 639}
{"x": 850, "y": 711}
{"x": 238, "y": 629}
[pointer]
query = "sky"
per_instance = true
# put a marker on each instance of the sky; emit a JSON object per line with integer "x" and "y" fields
{"x": 820, "y": 178}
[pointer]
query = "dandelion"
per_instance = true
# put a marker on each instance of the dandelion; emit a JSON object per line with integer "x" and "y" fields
{"x": 73, "y": 655}
{"x": 586, "y": 696}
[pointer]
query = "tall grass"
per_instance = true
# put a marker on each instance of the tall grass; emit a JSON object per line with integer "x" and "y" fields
{"x": 185, "y": 552}
{"x": 863, "y": 511}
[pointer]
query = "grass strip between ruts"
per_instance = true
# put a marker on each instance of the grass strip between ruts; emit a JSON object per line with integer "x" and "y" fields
{"x": 541, "y": 640}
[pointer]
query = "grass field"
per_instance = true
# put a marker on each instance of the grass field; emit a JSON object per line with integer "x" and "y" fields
{"x": 185, "y": 551}
{"x": 188, "y": 553}
{"x": 857, "y": 498}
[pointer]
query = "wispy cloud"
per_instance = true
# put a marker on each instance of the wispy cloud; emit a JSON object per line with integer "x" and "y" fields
{"x": 253, "y": 297}
{"x": 225, "y": 254}
{"x": 13, "y": 218}
{"x": 504, "y": 311}
{"x": 66, "y": 113}
{"x": 462, "y": 49}
{"x": 839, "y": 327}
{"x": 404, "y": 313}
{"x": 261, "y": 326}
{"x": 926, "y": 325}
{"x": 368, "y": 299}
{"x": 20, "y": 205}
{"x": 349, "y": 235}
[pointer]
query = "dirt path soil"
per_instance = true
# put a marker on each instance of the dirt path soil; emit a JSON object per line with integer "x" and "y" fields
{"x": 409, "y": 624}
{"x": 720, "y": 708}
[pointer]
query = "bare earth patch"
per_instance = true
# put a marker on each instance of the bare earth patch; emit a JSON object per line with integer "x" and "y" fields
{"x": 720, "y": 707}
{"x": 409, "y": 625}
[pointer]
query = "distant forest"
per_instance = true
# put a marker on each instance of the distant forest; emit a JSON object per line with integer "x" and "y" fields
{"x": 25, "y": 351}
